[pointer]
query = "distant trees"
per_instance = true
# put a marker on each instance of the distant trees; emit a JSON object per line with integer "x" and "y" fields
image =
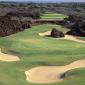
{"x": 66, "y": 8}
{"x": 34, "y": 14}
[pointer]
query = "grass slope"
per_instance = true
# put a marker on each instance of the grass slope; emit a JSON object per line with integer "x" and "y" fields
{"x": 35, "y": 50}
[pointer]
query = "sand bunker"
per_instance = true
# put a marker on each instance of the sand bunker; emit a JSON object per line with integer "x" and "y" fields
{"x": 45, "y": 33}
{"x": 67, "y": 37}
{"x": 51, "y": 74}
{"x": 7, "y": 57}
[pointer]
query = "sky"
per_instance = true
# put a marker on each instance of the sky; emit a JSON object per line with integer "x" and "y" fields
{"x": 46, "y": 0}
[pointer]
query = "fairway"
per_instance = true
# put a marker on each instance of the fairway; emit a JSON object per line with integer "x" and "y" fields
{"x": 54, "y": 16}
{"x": 34, "y": 50}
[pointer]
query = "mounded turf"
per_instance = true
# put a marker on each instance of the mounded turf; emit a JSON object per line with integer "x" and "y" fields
{"x": 35, "y": 50}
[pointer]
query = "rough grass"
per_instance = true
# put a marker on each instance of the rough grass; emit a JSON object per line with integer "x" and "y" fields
{"x": 35, "y": 50}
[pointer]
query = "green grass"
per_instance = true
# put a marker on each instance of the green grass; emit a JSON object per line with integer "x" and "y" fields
{"x": 82, "y": 38}
{"x": 50, "y": 16}
{"x": 35, "y": 50}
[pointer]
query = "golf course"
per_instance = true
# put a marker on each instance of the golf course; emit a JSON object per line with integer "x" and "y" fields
{"x": 45, "y": 55}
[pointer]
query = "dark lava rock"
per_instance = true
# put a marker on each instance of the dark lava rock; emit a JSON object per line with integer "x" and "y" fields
{"x": 76, "y": 24}
{"x": 71, "y": 20}
{"x": 56, "y": 34}
{"x": 34, "y": 14}
{"x": 8, "y": 26}
{"x": 78, "y": 29}
{"x": 25, "y": 25}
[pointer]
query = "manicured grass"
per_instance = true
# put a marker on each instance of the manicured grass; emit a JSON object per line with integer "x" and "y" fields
{"x": 35, "y": 50}
{"x": 82, "y": 38}
{"x": 53, "y": 16}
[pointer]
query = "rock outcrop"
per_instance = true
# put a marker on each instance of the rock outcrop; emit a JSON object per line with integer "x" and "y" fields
{"x": 56, "y": 33}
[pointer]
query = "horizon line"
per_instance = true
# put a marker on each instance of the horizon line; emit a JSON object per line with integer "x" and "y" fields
{"x": 47, "y": 1}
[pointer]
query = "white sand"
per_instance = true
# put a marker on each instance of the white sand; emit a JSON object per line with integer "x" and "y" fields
{"x": 67, "y": 37}
{"x": 51, "y": 74}
{"x": 7, "y": 57}
{"x": 45, "y": 33}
